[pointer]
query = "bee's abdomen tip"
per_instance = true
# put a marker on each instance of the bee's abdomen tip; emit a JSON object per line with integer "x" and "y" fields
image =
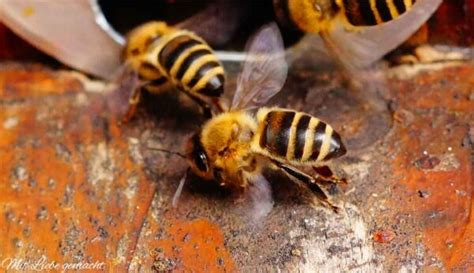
{"x": 336, "y": 147}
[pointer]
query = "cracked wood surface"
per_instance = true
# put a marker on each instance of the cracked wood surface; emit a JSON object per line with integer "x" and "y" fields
{"x": 75, "y": 186}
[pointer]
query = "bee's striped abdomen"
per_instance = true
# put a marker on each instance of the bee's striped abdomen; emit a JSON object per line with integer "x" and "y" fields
{"x": 276, "y": 134}
{"x": 296, "y": 136}
{"x": 191, "y": 65}
{"x": 373, "y": 12}
{"x": 300, "y": 138}
{"x": 151, "y": 76}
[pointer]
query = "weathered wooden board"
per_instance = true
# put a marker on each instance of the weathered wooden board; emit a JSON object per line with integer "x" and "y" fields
{"x": 75, "y": 186}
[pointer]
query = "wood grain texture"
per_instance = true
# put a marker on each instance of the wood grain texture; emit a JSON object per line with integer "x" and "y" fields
{"x": 76, "y": 186}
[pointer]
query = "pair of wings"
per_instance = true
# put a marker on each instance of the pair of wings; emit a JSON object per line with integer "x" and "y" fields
{"x": 264, "y": 70}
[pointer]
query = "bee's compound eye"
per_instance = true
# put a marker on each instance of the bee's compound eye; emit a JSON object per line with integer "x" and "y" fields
{"x": 197, "y": 154}
{"x": 200, "y": 159}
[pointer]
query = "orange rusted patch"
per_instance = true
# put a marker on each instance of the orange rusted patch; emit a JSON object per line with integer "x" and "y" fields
{"x": 192, "y": 246}
{"x": 433, "y": 168}
{"x": 383, "y": 236}
{"x": 18, "y": 83}
{"x": 71, "y": 189}
{"x": 74, "y": 186}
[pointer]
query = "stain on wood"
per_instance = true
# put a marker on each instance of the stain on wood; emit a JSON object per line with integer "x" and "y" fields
{"x": 76, "y": 186}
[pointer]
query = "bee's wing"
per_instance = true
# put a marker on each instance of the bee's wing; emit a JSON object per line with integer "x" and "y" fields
{"x": 71, "y": 31}
{"x": 360, "y": 48}
{"x": 177, "y": 194}
{"x": 264, "y": 71}
{"x": 217, "y": 23}
{"x": 260, "y": 200}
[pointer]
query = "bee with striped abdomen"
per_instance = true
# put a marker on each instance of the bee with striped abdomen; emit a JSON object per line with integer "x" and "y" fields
{"x": 163, "y": 56}
{"x": 356, "y": 32}
{"x": 297, "y": 137}
{"x": 234, "y": 148}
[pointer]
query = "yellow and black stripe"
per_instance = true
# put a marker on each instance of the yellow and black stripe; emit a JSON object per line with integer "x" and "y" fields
{"x": 139, "y": 41}
{"x": 374, "y": 12}
{"x": 190, "y": 64}
{"x": 296, "y": 136}
{"x": 152, "y": 77}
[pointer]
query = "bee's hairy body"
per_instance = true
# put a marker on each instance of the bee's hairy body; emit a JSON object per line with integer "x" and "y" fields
{"x": 226, "y": 141}
{"x": 163, "y": 55}
{"x": 235, "y": 147}
{"x": 235, "y": 143}
{"x": 317, "y": 15}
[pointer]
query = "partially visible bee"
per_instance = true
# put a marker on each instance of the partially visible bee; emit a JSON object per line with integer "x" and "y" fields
{"x": 235, "y": 147}
{"x": 165, "y": 56}
{"x": 357, "y": 32}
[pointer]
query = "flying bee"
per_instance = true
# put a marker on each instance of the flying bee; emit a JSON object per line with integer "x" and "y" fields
{"x": 234, "y": 147}
{"x": 163, "y": 56}
{"x": 356, "y": 32}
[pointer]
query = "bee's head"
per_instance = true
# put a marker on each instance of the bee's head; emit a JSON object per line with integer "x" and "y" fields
{"x": 197, "y": 158}
{"x": 142, "y": 36}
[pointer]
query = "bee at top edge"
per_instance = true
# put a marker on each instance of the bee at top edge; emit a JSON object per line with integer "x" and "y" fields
{"x": 356, "y": 32}
{"x": 236, "y": 146}
{"x": 164, "y": 57}
{"x": 317, "y": 16}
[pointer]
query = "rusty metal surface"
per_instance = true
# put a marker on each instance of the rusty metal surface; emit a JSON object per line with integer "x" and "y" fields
{"x": 77, "y": 187}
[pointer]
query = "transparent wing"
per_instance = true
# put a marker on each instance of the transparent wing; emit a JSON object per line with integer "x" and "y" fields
{"x": 264, "y": 71}
{"x": 177, "y": 194}
{"x": 360, "y": 48}
{"x": 70, "y": 31}
{"x": 259, "y": 198}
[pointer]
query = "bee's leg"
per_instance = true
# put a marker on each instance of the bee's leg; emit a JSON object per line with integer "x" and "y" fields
{"x": 206, "y": 108}
{"x": 133, "y": 101}
{"x": 326, "y": 175}
{"x": 299, "y": 176}
{"x": 220, "y": 105}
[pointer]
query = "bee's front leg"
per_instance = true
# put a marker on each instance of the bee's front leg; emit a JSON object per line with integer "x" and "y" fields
{"x": 133, "y": 102}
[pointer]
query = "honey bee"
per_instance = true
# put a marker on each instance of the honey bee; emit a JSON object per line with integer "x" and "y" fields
{"x": 356, "y": 32}
{"x": 234, "y": 147}
{"x": 163, "y": 56}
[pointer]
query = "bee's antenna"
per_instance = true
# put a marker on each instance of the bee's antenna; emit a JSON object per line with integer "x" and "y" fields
{"x": 167, "y": 151}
